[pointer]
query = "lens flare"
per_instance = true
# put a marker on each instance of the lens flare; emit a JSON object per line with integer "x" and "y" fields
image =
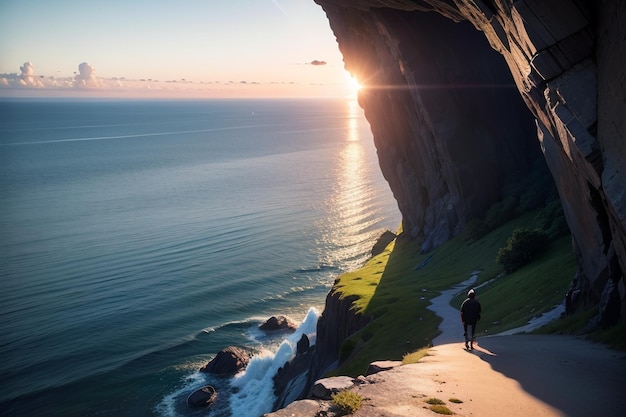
{"x": 354, "y": 84}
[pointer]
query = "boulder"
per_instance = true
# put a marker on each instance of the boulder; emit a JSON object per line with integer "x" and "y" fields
{"x": 202, "y": 397}
{"x": 303, "y": 408}
{"x": 325, "y": 388}
{"x": 228, "y": 361}
{"x": 278, "y": 323}
{"x": 378, "y": 366}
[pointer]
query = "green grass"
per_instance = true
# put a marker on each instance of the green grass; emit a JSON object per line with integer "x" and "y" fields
{"x": 569, "y": 325}
{"x": 613, "y": 337}
{"x": 392, "y": 291}
{"x": 441, "y": 409}
{"x": 414, "y": 357}
{"x": 347, "y": 401}
{"x": 434, "y": 401}
{"x": 532, "y": 290}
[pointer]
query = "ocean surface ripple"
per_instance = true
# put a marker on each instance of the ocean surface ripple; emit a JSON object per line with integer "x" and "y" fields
{"x": 139, "y": 238}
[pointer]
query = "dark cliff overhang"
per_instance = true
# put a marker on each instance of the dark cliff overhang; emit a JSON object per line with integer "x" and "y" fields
{"x": 459, "y": 93}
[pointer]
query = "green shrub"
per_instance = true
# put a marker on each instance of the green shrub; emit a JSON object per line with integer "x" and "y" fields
{"x": 551, "y": 219}
{"x": 500, "y": 213}
{"x": 476, "y": 230}
{"x": 434, "y": 401}
{"x": 521, "y": 248}
{"x": 441, "y": 409}
{"x": 347, "y": 401}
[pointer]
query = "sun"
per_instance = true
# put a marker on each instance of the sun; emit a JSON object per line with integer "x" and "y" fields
{"x": 353, "y": 84}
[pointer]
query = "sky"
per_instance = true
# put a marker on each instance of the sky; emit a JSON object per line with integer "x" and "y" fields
{"x": 212, "y": 48}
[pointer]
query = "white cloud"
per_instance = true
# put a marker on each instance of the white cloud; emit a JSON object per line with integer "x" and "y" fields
{"x": 86, "y": 77}
{"x": 27, "y": 77}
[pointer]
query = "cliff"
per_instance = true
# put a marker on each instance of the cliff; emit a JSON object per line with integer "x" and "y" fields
{"x": 462, "y": 94}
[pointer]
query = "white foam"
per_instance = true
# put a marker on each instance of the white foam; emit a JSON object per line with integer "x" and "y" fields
{"x": 255, "y": 395}
{"x": 167, "y": 406}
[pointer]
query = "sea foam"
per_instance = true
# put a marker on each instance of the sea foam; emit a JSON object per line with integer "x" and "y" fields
{"x": 255, "y": 395}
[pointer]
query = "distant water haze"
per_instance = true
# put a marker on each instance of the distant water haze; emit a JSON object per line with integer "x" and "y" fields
{"x": 139, "y": 238}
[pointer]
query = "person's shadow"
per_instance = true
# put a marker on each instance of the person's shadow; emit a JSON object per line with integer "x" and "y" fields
{"x": 573, "y": 375}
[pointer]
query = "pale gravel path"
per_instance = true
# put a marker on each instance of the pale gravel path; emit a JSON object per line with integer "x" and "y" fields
{"x": 450, "y": 326}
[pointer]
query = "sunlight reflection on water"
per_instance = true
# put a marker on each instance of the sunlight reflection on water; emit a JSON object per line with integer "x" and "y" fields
{"x": 351, "y": 229}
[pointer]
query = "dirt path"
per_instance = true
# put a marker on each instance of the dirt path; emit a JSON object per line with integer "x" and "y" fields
{"x": 514, "y": 375}
{"x": 450, "y": 326}
{"x": 510, "y": 375}
{"x": 532, "y": 374}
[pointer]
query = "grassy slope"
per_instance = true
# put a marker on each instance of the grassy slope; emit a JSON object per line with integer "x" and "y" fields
{"x": 392, "y": 289}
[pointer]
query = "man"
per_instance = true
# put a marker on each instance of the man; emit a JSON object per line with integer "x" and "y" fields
{"x": 470, "y": 314}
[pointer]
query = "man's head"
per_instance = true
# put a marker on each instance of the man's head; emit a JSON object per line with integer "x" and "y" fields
{"x": 471, "y": 293}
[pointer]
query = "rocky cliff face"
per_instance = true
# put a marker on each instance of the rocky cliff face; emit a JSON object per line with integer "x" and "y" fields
{"x": 335, "y": 325}
{"x": 461, "y": 94}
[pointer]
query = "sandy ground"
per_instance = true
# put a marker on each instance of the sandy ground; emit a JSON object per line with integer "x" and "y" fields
{"x": 514, "y": 376}
{"x": 517, "y": 375}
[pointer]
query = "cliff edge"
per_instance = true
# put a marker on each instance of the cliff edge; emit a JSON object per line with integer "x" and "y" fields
{"x": 568, "y": 378}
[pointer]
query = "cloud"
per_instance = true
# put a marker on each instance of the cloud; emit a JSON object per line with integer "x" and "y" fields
{"x": 317, "y": 63}
{"x": 27, "y": 77}
{"x": 86, "y": 77}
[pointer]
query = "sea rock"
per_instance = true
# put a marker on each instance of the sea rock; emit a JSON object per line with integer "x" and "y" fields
{"x": 275, "y": 323}
{"x": 291, "y": 382}
{"x": 202, "y": 397}
{"x": 325, "y": 388}
{"x": 303, "y": 345}
{"x": 228, "y": 361}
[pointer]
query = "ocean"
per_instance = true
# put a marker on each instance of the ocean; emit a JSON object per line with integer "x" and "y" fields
{"x": 139, "y": 238}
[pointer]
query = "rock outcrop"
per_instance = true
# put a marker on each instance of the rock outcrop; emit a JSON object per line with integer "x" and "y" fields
{"x": 278, "y": 323}
{"x": 297, "y": 378}
{"x": 443, "y": 81}
{"x": 228, "y": 361}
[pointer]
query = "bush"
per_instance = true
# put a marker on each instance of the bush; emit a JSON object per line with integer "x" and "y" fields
{"x": 500, "y": 213}
{"x": 438, "y": 406}
{"x": 476, "y": 230}
{"x": 521, "y": 248}
{"x": 441, "y": 409}
{"x": 347, "y": 401}
{"x": 434, "y": 401}
{"x": 551, "y": 219}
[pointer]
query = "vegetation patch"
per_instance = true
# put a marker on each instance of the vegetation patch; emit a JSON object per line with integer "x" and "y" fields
{"x": 455, "y": 401}
{"x": 441, "y": 409}
{"x": 410, "y": 278}
{"x": 435, "y": 401}
{"x": 347, "y": 401}
{"x": 414, "y": 357}
{"x": 511, "y": 300}
{"x": 613, "y": 337}
{"x": 523, "y": 245}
